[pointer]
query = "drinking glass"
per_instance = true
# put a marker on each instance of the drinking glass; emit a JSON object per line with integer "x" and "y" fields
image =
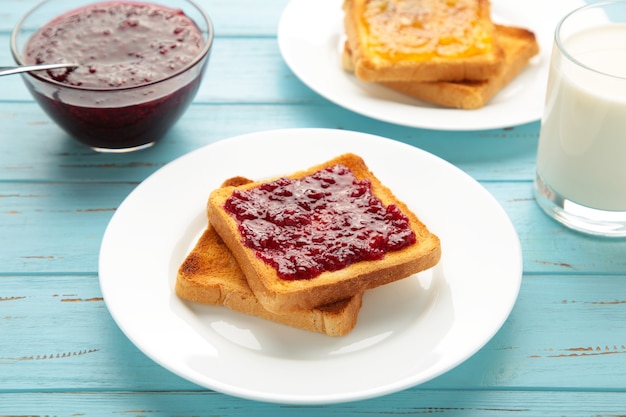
{"x": 581, "y": 158}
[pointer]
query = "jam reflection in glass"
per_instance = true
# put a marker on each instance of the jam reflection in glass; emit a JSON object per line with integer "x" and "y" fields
{"x": 140, "y": 66}
{"x": 323, "y": 222}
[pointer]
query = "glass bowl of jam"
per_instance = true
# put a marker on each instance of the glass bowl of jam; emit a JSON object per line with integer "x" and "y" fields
{"x": 140, "y": 65}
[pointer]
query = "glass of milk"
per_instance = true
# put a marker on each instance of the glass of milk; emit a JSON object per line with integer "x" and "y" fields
{"x": 581, "y": 158}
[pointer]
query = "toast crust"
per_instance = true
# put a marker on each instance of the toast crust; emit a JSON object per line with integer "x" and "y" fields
{"x": 280, "y": 296}
{"x": 422, "y": 40}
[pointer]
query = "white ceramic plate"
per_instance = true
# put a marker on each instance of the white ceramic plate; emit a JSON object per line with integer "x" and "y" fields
{"x": 310, "y": 37}
{"x": 408, "y": 332}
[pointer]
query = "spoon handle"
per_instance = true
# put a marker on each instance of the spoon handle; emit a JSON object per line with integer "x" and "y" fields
{"x": 26, "y": 68}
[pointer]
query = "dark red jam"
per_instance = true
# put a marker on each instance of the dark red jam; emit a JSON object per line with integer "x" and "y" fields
{"x": 118, "y": 45}
{"x": 323, "y": 222}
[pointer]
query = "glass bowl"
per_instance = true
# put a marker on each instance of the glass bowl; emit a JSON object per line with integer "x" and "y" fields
{"x": 115, "y": 116}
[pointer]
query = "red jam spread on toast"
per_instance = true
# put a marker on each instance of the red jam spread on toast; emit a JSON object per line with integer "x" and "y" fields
{"x": 117, "y": 44}
{"x": 322, "y": 222}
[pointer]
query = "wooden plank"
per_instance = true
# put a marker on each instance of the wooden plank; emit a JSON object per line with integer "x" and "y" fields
{"x": 412, "y": 402}
{"x": 548, "y": 246}
{"x": 230, "y": 17}
{"x": 69, "y": 342}
{"x": 55, "y": 227}
{"x": 32, "y": 148}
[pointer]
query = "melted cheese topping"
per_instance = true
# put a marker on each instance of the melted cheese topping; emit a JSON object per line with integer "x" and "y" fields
{"x": 420, "y": 29}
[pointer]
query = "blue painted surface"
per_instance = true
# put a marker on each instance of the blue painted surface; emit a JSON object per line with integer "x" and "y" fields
{"x": 562, "y": 352}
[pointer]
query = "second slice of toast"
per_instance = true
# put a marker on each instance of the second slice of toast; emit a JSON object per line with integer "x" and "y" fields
{"x": 210, "y": 275}
{"x": 281, "y": 295}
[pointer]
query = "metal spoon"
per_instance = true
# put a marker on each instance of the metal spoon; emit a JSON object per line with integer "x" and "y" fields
{"x": 27, "y": 68}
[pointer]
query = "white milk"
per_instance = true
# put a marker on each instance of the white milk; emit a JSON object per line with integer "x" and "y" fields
{"x": 582, "y": 146}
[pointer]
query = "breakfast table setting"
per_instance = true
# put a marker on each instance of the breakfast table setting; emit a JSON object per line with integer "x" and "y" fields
{"x": 524, "y": 314}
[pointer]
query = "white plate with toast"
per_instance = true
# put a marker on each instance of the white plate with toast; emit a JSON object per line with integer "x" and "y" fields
{"x": 311, "y": 38}
{"x": 407, "y": 333}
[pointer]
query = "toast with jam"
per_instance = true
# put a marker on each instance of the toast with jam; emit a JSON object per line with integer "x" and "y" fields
{"x": 210, "y": 275}
{"x": 320, "y": 235}
{"x": 422, "y": 40}
{"x": 519, "y": 46}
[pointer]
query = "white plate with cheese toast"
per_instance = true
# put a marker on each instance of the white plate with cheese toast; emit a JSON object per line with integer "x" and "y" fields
{"x": 407, "y": 333}
{"x": 311, "y": 37}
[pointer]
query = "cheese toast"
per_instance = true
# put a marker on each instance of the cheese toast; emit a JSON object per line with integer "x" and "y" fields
{"x": 422, "y": 40}
{"x": 520, "y": 46}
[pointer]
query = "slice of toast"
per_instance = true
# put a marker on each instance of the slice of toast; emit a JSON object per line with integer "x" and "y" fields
{"x": 283, "y": 295}
{"x": 210, "y": 275}
{"x": 519, "y": 45}
{"x": 422, "y": 40}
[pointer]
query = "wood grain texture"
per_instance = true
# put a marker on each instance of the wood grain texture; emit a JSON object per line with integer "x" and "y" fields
{"x": 46, "y": 153}
{"x": 524, "y": 403}
{"x": 69, "y": 341}
{"x": 562, "y": 351}
{"x": 260, "y": 18}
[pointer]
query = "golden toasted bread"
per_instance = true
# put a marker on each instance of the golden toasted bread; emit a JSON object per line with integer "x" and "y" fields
{"x": 210, "y": 275}
{"x": 281, "y": 295}
{"x": 519, "y": 46}
{"x": 422, "y": 40}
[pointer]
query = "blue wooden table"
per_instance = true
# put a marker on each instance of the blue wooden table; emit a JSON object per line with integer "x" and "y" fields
{"x": 562, "y": 351}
